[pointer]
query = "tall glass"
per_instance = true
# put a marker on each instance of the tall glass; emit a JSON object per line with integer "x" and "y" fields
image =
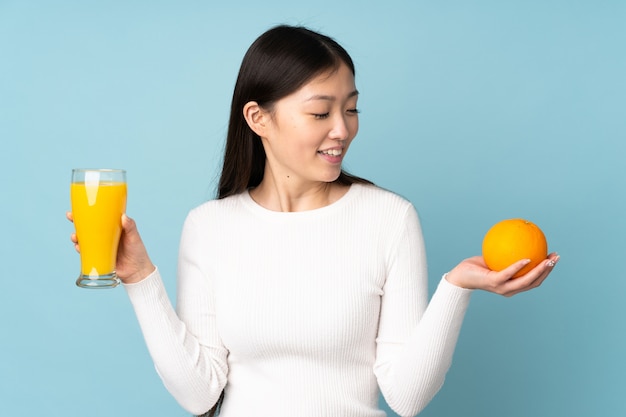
{"x": 98, "y": 198}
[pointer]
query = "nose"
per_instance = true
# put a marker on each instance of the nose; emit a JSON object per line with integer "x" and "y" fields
{"x": 344, "y": 127}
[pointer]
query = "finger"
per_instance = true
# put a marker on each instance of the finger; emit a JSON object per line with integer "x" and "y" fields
{"x": 546, "y": 266}
{"x": 508, "y": 272}
{"x": 130, "y": 230}
{"x": 534, "y": 278}
{"x": 128, "y": 224}
{"x": 70, "y": 216}
{"x": 520, "y": 289}
{"x": 74, "y": 240}
{"x": 553, "y": 258}
{"x": 512, "y": 286}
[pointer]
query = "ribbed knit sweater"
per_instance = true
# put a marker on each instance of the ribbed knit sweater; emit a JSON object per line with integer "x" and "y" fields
{"x": 302, "y": 314}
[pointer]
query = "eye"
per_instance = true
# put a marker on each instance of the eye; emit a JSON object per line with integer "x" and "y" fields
{"x": 321, "y": 116}
{"x": 354, "y": 111}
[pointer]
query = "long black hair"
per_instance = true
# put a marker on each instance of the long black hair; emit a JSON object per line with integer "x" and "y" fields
{"x": 278, "y": 63}
{"x": 215, "y": 410}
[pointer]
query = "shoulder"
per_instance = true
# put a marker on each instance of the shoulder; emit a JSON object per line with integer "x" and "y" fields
{"x": 218, "y": 208}
{"x": 389, "y": 216}
{"x": 376, "y": 197}
{"x": 384, "y": 209}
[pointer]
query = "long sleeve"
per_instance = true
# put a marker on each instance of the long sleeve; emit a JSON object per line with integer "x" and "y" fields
{"x": 305, "y": 314}
{"x": 416, "y": 339}
{"x": 184, "y": 344}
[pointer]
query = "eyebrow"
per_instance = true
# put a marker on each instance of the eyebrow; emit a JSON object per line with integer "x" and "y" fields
{"x": 330, "y": 98}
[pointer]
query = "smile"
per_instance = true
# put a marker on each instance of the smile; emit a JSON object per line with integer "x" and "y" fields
{"x": 332, "y": 152}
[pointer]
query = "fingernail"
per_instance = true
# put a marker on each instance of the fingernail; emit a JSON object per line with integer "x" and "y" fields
{"x": 551, "y": 263}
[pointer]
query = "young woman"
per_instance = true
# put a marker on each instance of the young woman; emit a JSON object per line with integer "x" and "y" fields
{"x": 302, "y": 290}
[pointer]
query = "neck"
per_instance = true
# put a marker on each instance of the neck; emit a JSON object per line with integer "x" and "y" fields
{"x": 291, "y": 195}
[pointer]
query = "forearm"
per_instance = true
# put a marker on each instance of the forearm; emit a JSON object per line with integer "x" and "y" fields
{"x": 193, "y": 371}
{"x": 410, "y": 373}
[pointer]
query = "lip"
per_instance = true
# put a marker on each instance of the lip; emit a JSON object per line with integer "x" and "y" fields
{"x": 333, "y": 159}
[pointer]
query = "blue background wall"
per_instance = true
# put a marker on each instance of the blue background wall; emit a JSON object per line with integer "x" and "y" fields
{"x": 474, "y": 110}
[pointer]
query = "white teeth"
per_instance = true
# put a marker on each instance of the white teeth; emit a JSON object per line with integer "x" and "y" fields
{"x": 333, "y": 152}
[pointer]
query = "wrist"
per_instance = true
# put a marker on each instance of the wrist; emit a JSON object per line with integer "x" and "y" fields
{"x": 139, "y": 275}
{"x": 454, "y": 279}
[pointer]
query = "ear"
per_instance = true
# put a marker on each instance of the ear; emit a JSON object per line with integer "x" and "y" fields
{"x": 256, "y": 117}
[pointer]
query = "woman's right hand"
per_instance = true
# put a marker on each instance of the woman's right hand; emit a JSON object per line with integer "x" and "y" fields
{"x": 133, "y": 262}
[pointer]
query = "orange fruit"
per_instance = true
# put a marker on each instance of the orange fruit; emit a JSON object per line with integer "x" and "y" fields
{"x": 512, "y": 240}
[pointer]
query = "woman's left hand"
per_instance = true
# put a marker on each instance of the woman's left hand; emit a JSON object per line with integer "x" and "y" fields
{"x": 472, "y": 273}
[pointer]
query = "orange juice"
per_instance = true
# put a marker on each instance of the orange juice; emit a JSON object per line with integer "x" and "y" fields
{"x": 97, "y": 208}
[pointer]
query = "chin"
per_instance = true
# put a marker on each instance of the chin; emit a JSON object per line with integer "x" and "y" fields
{"x": 331, "y": 177}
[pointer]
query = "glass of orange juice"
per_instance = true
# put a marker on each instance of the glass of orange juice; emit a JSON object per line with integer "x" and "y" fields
{"x": 98, "y": 198}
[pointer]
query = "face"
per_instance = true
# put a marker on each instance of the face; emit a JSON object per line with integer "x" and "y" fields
{"x": 308, "y": 132}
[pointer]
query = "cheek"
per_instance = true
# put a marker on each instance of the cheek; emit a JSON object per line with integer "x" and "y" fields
{"x": 300, "y": 147}
{"x": 354, "y": 128}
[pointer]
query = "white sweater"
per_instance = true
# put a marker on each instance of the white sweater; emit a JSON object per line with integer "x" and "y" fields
{"x": 305, "y": 314}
